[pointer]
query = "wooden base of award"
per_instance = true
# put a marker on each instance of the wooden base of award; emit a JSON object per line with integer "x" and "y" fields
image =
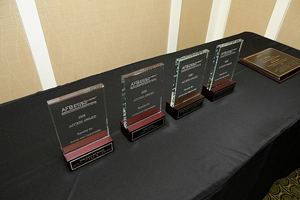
{"x": 219, "y": 91}
{"x": 185, "y": 108}
{"x": 143, "y": 127}
{"x": 89, "y": 152}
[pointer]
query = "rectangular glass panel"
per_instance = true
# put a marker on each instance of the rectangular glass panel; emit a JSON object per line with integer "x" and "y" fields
{"x": 224, "y": 63}
{"x": 141, "y": 93}
{"x": 188, "y": 78}
{"x": 80, "y": 117}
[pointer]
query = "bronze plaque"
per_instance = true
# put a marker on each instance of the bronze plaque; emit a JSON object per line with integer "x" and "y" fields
{"x": 273, "y": 63}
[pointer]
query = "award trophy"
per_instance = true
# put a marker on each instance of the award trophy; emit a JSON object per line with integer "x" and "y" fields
{"x": 220, "y": 81}
{"x": 81, "y": 125}
{"x": 188, "y": 79}
{"x": 273, "y": 63}
{"x": 141, "y": 95}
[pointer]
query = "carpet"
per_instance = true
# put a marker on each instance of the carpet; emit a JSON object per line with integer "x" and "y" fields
{"x": 287, "y": 188}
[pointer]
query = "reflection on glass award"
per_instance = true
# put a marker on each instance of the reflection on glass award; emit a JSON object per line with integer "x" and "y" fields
{"x": 81, "y": 125}
{"x": 141, "y": 94}
{"x": 187, "y": 85}
{"x": 220, "y": 81}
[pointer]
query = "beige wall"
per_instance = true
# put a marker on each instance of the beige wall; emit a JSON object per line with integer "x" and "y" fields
{"x": 18, "y": 75}
{"x": 245, "y": 15}
{"x": 194, "y": 21}
{"x": 290, "y": 30}
{"x": 89, "y": 37}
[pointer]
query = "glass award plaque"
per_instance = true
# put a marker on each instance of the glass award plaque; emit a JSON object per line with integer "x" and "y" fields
{"x": 220, "y": 81}
{"x": 273, "y": 63}
{"x": 141, "y": 99}
{"x": 187, "y": 85}
{"x": 81, "y": 125}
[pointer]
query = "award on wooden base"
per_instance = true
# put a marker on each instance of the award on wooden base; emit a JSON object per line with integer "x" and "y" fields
{"x": 220, "y": 81}
{"x": 81, "y": 125}
{"x": 273, "y": 63}
{"x": 187, "y": 85}
{"x": 141, "y": 96}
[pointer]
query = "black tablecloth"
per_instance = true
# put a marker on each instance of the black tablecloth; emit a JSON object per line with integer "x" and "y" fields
{"x": 233, "y": 148}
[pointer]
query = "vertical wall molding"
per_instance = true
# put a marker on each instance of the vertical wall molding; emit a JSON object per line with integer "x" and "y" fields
{"x": 276, "y": 20}
{"x": 33, "y": 29}
{"x": 218, "y": 20}
{"x": 174, "y": 25}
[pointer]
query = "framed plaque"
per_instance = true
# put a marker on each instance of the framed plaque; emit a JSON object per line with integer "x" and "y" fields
{"x": 81, "y": 125}
{"x": 273, "y": 63}
{"x": 186, "y": 94}
{"x": 141, "y": 95}
{"x": 220, "y": 81}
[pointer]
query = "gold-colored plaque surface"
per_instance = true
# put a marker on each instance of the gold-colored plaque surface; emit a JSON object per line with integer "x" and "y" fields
{"x": 273, "y": 63}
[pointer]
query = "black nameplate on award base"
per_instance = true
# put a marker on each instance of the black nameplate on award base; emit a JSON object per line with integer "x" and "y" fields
{"x": 185, "y": 108}
{"x": 89, "y": 153}
{"x": 143, "y": 127}
{"x": 218, "y": 91}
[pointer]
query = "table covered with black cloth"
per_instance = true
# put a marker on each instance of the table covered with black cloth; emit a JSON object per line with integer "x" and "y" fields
{"x": 233, "y": 148}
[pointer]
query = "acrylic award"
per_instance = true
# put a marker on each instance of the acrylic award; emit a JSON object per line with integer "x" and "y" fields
{"x": 220, "y": 81}
{"x": 186, "y": 94}
{"x": 81, "y": 125}
{"x": 141, "y": 99}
